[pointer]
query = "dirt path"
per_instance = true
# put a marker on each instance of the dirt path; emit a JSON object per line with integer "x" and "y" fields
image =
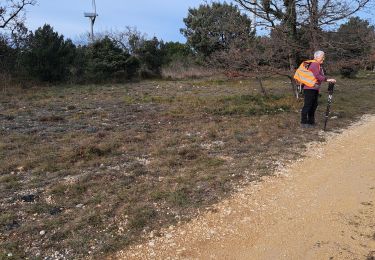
{"x": 319, "y": 208}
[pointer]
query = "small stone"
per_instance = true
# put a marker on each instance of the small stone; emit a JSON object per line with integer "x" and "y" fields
{"x": 42, "y": 233}
{"x": 151, "y": 243}
{"x": 79, "y": 205}
{"x": 55, "y": 211}
{"x": 28, "y": 198}
{"x": 10, "y": 254}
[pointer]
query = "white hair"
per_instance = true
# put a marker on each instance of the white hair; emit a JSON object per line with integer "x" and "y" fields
{"x": 318, "y": 54}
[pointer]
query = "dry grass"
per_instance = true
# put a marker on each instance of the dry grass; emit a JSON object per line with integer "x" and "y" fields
{"x": 179, "y": 70}
{"x": 98, "y": 167}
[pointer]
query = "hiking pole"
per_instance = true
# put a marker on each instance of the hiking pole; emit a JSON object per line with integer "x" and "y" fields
{"x": 331, "y": 86}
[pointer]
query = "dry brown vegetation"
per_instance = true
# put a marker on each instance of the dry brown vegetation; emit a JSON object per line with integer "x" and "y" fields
{"x": 179, "y": 70}
{"x": 86, "y": 170}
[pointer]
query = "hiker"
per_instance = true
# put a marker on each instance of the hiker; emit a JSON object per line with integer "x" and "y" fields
{"x": 311, "y": 93}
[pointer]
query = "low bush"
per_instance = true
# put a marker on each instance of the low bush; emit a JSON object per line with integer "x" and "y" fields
{"x": 348, "y": 72}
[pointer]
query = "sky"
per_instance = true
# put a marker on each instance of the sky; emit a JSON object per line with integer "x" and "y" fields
{"x": 160, "y": 18}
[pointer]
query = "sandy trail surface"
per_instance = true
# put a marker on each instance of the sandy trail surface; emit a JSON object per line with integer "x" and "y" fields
{"x": 321, "y": 207}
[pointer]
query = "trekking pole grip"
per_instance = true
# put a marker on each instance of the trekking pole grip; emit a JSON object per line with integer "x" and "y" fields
{"x": 331, "y": 87}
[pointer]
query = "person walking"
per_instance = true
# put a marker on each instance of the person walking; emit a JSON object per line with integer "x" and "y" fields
{"x": 311, "y": 93}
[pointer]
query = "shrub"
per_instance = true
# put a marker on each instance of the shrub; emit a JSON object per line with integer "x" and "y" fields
{"x": 151, "y": 56}
{"x": 104, "y": 59}
{"x": 132, "y": 66}
{"x": 349, "y": 71}
{"x": 48, "y": 57}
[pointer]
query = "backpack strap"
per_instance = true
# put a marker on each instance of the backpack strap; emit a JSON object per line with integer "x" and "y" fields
{"x": 308, "y": 63}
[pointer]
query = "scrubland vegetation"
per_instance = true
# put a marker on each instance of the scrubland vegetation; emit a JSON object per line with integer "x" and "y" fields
{"x": 103, "y": 142}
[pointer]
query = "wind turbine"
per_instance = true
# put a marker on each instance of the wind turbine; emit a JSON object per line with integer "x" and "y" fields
{"x": 92, "y": 16}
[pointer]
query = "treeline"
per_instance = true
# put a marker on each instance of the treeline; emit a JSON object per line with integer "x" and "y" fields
{"x": 218, "y": 35}
{"x": 47, "y": 56}
{"x": 225, "y": 37}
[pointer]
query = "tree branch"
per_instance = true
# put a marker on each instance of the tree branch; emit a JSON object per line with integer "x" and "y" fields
{"x": 15, "y": 7}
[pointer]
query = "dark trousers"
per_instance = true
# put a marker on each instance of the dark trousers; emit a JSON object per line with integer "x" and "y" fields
{"x": 309, "y": 107}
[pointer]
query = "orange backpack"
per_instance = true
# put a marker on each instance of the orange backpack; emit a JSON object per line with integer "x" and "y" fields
{"x": 304, "y": 76}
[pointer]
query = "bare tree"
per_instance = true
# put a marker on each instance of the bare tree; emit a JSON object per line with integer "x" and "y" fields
{"x": 128, "y": 39}
{"x": 315, "y": 15}
{"x": 290, "y": 15}
{"x": 12, "y": 12}
{"x": 275, "y": 14}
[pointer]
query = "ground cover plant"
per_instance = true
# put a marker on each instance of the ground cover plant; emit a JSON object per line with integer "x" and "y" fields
{"x": 87, "y": 170}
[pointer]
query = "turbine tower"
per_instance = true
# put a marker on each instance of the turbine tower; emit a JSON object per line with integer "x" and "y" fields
{"x": 254, "y": 15}
{"x": 92, "y": 16}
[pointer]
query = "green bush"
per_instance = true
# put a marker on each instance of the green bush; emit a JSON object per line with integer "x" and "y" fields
{"x": 107, "y": 61}
{"x": 104, "y": 59}
{"x": 132, "y": 66}
{"x": 151, "y": 55}
{"x": 349, "y": 71}
{"x": 47, "y": 56}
